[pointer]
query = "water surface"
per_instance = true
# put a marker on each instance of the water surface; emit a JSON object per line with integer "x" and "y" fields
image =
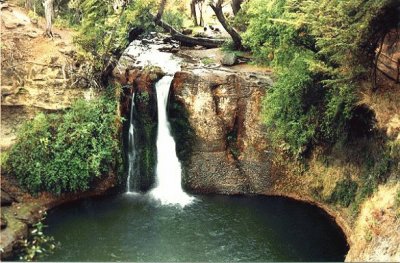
{"x": 214, "y": 228}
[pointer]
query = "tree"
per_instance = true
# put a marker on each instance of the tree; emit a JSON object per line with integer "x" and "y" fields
{"x": 193, "y": 13}
{"x": 49, "y": 14}
{"x": 217, "y": 8}
{"x": 236, "y": 6}
{"x": 176, "y": 35}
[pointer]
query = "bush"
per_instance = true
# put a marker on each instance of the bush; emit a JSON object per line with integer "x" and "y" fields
{"x": 344, "y": 192}
{"x": 65, "y": 153}
{"x": 174, "y": 18}
{"x": 322, "y": 49}
{"x": 104, "y": 30}
{"x": 290, "y": 107}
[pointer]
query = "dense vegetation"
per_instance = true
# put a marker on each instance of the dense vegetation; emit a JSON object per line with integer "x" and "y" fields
{"x": 321, "y": 50}
{"x": 104, "y": 28}
{"x": 322, "y": 53}
{"x": 66, "y": 152}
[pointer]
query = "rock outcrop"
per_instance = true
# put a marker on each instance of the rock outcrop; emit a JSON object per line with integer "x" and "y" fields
{"x": 228, "y": 145}
{"x": 37, "y": 74}
{"x": 139, "y": 83}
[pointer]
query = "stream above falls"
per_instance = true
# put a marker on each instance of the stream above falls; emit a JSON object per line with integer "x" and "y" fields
{"x": 213, "y": 228}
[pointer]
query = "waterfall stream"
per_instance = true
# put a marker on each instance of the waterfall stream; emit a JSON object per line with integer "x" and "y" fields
{"x": 168, "y": 189}
{"x": 132, "y": 153}
{"x": 168, "y": 181}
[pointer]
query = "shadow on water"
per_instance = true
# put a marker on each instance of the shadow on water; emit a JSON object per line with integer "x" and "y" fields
{"x": 214, "y": 228}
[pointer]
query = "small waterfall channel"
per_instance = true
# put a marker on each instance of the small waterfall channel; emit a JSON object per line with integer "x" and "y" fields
{"x": 132, "y": 152}
{"x": 168, "y": 189}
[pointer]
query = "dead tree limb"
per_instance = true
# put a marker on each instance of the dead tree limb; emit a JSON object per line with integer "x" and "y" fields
{"x": 178, "y": 36}
{"x": 236, "y": 38}
{"x": 187, "y": 40}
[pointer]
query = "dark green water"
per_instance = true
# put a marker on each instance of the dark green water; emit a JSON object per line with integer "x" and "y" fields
{"x": 216, "y": 228}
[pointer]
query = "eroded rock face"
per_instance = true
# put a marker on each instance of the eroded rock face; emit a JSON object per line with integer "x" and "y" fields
{"x": 228, "y": 146}
{"x": 140, "y": 84}
{"x": 37, "y": 75}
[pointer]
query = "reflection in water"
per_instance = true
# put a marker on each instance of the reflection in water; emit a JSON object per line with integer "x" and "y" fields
{"x": 219, "y": 228}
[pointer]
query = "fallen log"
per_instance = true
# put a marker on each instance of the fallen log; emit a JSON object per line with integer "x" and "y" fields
{"x": 188, "y": 40}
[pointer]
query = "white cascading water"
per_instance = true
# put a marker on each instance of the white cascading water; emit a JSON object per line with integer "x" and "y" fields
{"x": 168, "y": 181}
{"x": 131, "y": 149}
{"x": 168, "y": 188}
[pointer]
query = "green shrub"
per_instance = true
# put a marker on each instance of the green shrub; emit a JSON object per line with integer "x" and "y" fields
{"x": 174, "y": 18}
{"x": 344, "y": 192}
{"x": 37, "y": 245}
{"x": 377, "y": 171}
{"x": 65, "y": 153}
{"x": 321, "y": 50}
{"x": 290, "y": 107}
{"x": 104, "y": 30}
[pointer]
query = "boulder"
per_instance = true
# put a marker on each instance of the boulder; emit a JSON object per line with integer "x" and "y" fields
{"x": 229, "y": 59}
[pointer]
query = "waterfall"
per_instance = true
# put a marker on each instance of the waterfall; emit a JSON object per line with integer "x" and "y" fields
{"x": 132, "y": 153}
{"x": 168, "y": 188}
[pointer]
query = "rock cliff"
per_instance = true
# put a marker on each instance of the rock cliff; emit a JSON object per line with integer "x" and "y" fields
{"x": 229, "y": 149}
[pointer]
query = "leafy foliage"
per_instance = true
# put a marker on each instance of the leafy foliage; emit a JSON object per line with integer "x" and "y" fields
{"x": 63, "y": 153}
{"x": 38, "y": 244}
{"x": 104, "y": 28}
{"x": 344, "y": 192}
{"x": 290, "y": 108}
{"x": 322, "y": 49}
{"x": 174, "y": 18}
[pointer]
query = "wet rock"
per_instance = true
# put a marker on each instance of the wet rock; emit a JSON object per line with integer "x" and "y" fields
{"x": 229, "y": 59}
{"x": 135, "y": 33}
{"x": 6, "y": 199}
{"x": 11, "y": 236}
{"x": 141, "y": 83}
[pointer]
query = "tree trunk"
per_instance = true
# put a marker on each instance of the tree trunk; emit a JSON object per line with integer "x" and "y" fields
{"x": 201, "y": 13}
{"x": 187, "y": 40}
{"x": 193, "y": 12}
{"x": 49, "y": 14}
{"x": 237, "y": 39}
{"x": 161, "y": 9}
{"x": 178, "y": 36}
{"x": 236, "y": 5}
{"x": 29, "y": 4}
